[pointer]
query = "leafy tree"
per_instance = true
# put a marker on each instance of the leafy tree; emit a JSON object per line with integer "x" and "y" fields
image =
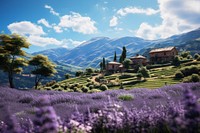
{"x": 176, "y": 61}
{"x": 67, "y": 76}
{"x": 78, "y": 73}
{"x": 89, "y": 70}
{"x": 184, "y": 54}
{"x": 11, "y": 55}
{"x": 145, "y": 73}
{"x": 115, "y": 57}
{"x": 123, "y": 55}
{"x": 43, "y": 67}
{"x": 127, "y": 63}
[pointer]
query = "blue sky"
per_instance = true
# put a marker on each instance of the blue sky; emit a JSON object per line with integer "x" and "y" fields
{"x": 68, "y": 23}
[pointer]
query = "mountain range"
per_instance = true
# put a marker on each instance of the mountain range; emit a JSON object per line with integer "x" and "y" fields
{"x": 90, "y": 53}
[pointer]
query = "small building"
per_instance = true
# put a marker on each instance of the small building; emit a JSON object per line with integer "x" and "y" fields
{"x": 163, "y": 55}
{"x": 139, "y": 60}
{"x": 114, "y": 66}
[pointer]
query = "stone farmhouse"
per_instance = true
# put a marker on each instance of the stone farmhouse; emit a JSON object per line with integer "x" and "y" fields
{"x": 162, "y": 55}
{"x": 114, "y": 66}
{"x": 139, "y": 60}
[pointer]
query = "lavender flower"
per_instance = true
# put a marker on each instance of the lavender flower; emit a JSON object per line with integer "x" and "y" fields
{"x": 46, "y": 119}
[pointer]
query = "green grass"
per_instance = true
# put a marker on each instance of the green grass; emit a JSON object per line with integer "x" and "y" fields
{"x": 159, "y": 77}
{"x": 126, "y": 97}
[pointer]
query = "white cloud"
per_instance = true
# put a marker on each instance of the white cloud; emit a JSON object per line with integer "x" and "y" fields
{"x": 131, "y": 10}
{"x": 136, "y": 10}
{"x": 113, "y": 21}
{"x": 178, "y": 16}
{"x": 57, "y": 29}
{"x": 25, "y": 28}
{"x": 44, "y": 22}
{"x": 35, "y": 35}
{"x": 43, "y": 41}
{"x": 51, "y": 10}
{"x": 69, "y": 43}
{"x": 78, "y": 23}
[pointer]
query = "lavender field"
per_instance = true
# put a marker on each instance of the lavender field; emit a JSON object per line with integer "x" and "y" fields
{"x": 167, "y": 110}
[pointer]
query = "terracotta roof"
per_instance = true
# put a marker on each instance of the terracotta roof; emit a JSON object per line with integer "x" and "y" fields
{"x": 121, "y": 65}
{"x": 114, "y": 63}
{"x": 161, "y": 49}
{"x": 138, "y": 57}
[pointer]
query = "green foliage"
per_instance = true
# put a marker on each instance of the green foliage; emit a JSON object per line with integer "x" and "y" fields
{"x": 195, "y": 78}
{"x": 139, "y": 76}
{"x": 78, "y": 73}
{"x": 176, "y": 61}
{"x": 184, "y": 54}
{"x": 145, "y": 73}
{"x": 89, "y": 71}
{"x": 43, "y": 68}
{"x": 198, "y": 59}
{"x": 67, "y": 76}
{"x": 125, "y": 97}
{"x": 94, "y": 91}
{"x": 127, "y": 63}
{"x": 189, "y": 70}
{"x": 179, "y": 75}
{"x": 103, "y": 87}
{"x": 11, "y": 54}
{"x": 196, "y": 56}
{"x": 104, "y": 64}
{"x": 115, "y": 57}
{"x": 123, "y": 55}
{"x": 192, "y": 78}
{"x": 124, "y": 76}
{"x": 189, "y": 57}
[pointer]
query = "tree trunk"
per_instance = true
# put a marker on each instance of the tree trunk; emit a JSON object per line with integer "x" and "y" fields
{"x": 10, "y": 77}
{"x": 37, "y": 80}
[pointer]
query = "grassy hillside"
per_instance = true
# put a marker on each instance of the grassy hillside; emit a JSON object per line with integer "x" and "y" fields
{"x": 160, "y": 76}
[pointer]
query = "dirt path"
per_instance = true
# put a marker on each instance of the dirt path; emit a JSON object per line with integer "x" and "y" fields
{"x": 94, "y": 77}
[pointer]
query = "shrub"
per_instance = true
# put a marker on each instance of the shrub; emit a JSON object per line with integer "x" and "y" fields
{"x": 50, "y": 83}
{"x": 94, "y": 90}
{"x": 79, "y": 73}
{"x": 91, "y": 87}
{"x": 55, "y": 86}
{"x": 67, "y": 76}
{"x": 176, "y": 61}
{"x": 196, "y": 56}
{"x": 198, "y": 59}
{"x": 48, "y": 88}
{"x": 85, "y": 89}
{"x": 124, "y": 76}
{"x": 189, "y": 57}
{"x": 103, "y": 87}
{"x": 187, "y": 71}
{"x": 125, "y": 97}
{"x": 195, "y": 78}
{"x": 179, "y": 75}
{"x": 145, "y": 73}
{"x": 185, "y": 54}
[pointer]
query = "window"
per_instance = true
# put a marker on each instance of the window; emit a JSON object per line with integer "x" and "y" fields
{"x": 164, "y": 53}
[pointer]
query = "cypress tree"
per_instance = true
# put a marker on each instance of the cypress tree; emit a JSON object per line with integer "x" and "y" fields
{"x": 123, "y": 55}
{"x": 115, "y": 57}
{"x": 104, "y": 64}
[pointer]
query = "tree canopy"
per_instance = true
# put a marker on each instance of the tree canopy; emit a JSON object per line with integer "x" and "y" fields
{"x": 11, "y": 55}
{"x": 43, "y": 67}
